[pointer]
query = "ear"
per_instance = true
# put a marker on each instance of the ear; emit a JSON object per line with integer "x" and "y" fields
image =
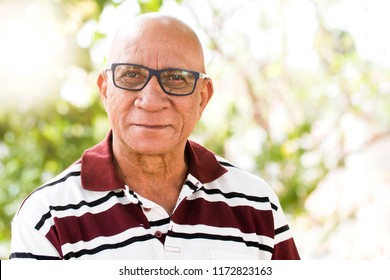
{"x": 102, "y": 85}
{"x": 205, "y": 95}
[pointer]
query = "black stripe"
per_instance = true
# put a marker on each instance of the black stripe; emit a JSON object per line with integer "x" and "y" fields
{"x": 18, "y": 255}
{"x": 191, "y": 185}
{"x": 160, "y": 222}
{"x": 63, "y": 179}
{"x": 262, "y": 247}
{"x": 108, "y": 247}
{"x": 227, "y": 164}
{"x": 77, "y": 206}
{"x": 281, "y": 229}
{"x": 231, "y": 195}
{"x": 136, "y": 197}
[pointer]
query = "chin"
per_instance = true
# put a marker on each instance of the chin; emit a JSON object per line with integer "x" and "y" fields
{"x": 159, "y": 147}
{"x": 152, "y": 143}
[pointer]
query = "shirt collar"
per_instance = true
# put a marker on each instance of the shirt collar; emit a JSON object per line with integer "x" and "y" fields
{"x": 98, "y": 172}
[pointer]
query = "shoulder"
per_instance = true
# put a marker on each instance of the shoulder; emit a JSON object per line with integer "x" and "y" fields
{"x": 237, "y": 176}
{"x": 242, "y": 182}
{"x": 54, "y": 192}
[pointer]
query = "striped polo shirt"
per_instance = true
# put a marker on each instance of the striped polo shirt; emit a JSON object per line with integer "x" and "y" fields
{"x": 87, "y": 212}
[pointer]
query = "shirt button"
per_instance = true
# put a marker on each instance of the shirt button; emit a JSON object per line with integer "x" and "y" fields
{"x": 158, "y": 234}
{"x": 146, "y": 209}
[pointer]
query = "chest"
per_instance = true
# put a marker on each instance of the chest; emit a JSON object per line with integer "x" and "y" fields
{"x": 131, "y": 227}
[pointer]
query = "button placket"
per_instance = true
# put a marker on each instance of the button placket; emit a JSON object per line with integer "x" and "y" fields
{"x": 151, "y": 210}
{"x": 130, "y": 195}
{"x": 194, "y": 184}
{"x": 158, "y": 234}
{"x": 191, "y": 185}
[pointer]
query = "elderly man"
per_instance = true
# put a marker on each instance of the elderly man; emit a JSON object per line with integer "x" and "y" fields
{"x": 146, "y": 191}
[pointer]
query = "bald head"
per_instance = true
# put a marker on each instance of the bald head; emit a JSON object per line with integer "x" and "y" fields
{"x": 158, "y": 41}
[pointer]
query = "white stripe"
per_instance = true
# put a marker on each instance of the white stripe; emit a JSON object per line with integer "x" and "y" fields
{"x": 283, "y": 236}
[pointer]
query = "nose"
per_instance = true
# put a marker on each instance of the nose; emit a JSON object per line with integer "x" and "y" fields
{"x": 152, "y": 98}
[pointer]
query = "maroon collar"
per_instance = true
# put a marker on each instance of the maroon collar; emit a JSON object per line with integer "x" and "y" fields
{"x": 98, "y": 172}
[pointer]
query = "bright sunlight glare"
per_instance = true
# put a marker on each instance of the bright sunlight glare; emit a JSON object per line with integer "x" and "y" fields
{"x": 31, "y": 53}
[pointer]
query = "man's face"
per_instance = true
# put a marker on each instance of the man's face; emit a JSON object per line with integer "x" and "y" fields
{"x": 149, "y": 121}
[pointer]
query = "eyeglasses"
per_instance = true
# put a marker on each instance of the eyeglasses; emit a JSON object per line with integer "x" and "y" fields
{"x": 173, "y": 81}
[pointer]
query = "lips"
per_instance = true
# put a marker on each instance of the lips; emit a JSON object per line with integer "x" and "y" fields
{"x": 151, "y": 126}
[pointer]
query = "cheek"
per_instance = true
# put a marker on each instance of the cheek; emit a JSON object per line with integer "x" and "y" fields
{"x": 191, "y": 116}
{"x": 116, "y": 104}
{"x": 196, "y": 110}
{"x": 111, "y": 107}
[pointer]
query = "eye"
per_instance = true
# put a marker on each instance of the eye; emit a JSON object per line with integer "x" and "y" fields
{"x": 177, "y": 77}
{"x": 130, "y": 77}
{"x": 132, "y": 74}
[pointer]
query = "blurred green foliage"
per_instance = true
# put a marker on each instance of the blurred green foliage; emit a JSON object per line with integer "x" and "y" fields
{"x": 38, "y": 143}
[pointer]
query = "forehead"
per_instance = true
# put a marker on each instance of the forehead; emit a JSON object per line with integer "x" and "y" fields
{"x": 158, "y": 45}
{"x": 159, "y": 56}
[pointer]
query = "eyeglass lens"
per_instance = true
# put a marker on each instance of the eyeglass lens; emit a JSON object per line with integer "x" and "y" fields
{"x": 174, "y": 81}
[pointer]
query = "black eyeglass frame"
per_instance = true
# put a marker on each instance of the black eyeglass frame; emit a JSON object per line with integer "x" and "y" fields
{"x": 157, "y": 73}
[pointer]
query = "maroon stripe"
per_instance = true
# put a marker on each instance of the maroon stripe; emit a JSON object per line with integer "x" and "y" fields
{"x": 219, "y": 214}
{"x": 52, "y": 236}
{"x": 113, "y": 221}
{"x": 286, "y": 250}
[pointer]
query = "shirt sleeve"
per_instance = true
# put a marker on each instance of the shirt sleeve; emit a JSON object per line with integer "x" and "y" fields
{"x": 284, "y": 247}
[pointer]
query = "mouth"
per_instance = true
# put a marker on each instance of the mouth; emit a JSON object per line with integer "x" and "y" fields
{"x": 151, "y": 126}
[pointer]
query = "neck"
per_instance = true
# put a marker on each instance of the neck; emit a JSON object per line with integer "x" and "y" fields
{"x": 151, "y": 169}
{"x": 158, "y": 178}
